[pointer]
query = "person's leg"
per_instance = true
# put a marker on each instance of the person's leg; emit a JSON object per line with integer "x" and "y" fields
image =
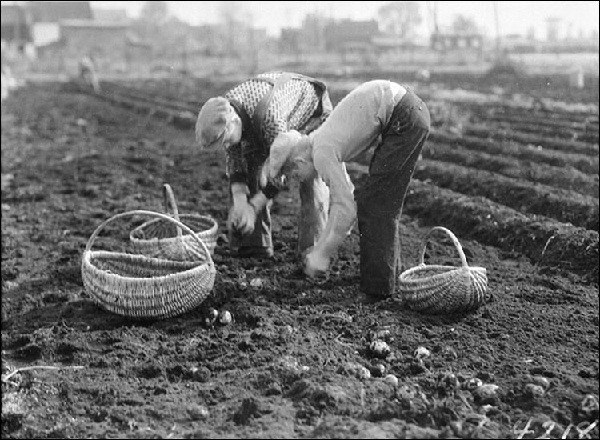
{"x": 95, "y": 82}
{"x": 381, "y": 198}
{"x": 314, "y": 209}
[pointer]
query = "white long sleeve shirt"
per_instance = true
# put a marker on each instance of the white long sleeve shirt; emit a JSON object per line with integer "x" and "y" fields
{"x": 354, "y": 125}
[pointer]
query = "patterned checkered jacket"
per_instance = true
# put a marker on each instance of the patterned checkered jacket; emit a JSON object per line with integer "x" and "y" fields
{"x": 300, "y": 103}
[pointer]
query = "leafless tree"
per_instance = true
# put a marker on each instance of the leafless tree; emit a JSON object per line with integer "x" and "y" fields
{"x": 463, "y": 24}
{"x": 233, "y": 17}
{"x": 154, "y": 12}
{"x": 399, "y": 18}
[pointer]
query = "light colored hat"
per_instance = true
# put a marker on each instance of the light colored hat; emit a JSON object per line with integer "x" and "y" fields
{"x": 212, "y": 121}
{"x": 283, "y": 149}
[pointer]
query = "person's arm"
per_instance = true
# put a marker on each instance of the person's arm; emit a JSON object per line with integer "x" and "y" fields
{"x": 342, "y": 209}
{"x": 239, "y": 193}
{"x": 242, "y": 214}
{"x": 342, "y": 214}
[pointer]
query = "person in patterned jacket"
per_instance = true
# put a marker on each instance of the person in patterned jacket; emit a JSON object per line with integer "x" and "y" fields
{"x": 245, "y": 122}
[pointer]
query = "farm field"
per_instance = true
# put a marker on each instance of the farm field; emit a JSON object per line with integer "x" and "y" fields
{"x": 515, "y": 179}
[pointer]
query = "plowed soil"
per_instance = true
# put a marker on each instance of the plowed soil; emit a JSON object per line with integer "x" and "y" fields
{"x": 295, "y": 362}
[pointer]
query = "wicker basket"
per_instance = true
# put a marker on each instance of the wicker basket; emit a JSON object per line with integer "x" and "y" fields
{"x": 162, "y": 239}
{"x": 443, "y": 289}
{"x": 139, "y": 286}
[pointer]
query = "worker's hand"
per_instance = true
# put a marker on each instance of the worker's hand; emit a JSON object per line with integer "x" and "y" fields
{"x": 242, "y": 217}
{"x": 316, "y": 263}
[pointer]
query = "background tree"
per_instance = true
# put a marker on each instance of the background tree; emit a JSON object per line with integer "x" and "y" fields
{"x": 234, "y": 22}
{"x": 154, "y": 12}
{"x": 399, "y": 18}
{"x": 162, "y": 30}
{"x": 464, "y": 25}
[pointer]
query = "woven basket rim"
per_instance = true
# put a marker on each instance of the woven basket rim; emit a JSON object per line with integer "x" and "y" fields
{"x": 87, "y": 255}
{"x": 191, "y": 233}
{"x": 171, "y": 210}
{"x": 448, "y": 269}
{"x": 103, "y": 283}
{"x": 436, "y": 277}
{"x": 210, "y": 231}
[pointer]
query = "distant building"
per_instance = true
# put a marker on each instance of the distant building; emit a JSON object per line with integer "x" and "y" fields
{"x": 552, "y": 29}
{"x": 313, "y": 32}
{"x": 48, "y": 15}
{"x": 290, "y": 40}
{"x": 390, "y": 43}
{"x": 65, "y": 31}
{"x": 53, "y": 12}
{"x": 219, "y": 40}
{"x": 208, "y": 38}
{"x": 444, "y": 41}
{"x": 341, "y": 35}
{"x": 104, "y": 40}
{"x": 111, "y": 15}
{"x": 319, "y": 34}
{"x": 516, "y": 43}
{"x": 16, "y": 28}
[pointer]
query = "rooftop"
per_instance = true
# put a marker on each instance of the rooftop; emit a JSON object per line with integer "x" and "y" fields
{"x": 53, "y": 12}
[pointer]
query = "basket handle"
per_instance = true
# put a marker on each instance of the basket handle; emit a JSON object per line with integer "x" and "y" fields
{"x": 94, "y": 235}
{"x": 455, "y": 241}
{"x": 169, "y": 202}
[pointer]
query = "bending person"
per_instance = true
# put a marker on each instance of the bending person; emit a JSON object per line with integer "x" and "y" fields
{"x": 396, "y": 122}
{"x": 245, "y": 122}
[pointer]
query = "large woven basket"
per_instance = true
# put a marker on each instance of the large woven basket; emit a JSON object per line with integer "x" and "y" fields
{"x": 443, "y": 289}
{"x": 139, "y": 286}
{"x": 162, "y": 239}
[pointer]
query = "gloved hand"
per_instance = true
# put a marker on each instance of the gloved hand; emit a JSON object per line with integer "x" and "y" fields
{"x": 316, "y": 262}
{"x": 242, "y": 217}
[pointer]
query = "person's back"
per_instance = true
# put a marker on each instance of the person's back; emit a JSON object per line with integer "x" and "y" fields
{"x": 357, "y": 121}
{"x": 291, "y": 106}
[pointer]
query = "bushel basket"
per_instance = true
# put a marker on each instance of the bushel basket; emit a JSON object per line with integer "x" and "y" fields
{"x": 443, "y": 289}
{"x": 162, "y": 239}
{"x": 139, "y": 286}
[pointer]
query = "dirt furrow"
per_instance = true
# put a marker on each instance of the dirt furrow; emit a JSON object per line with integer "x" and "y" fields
{"x": 543, "y": 240}
{"x": 581, "y": 162}
{"x": 565, "y": 177}
{"x": 295, "y": 362}
{"x": 526, "y": 197}
{"x": 583, "y": 115}
{"x": 543, "y": 121}
{"x": 543, "y": 132}
{"x": 503, "y": 134}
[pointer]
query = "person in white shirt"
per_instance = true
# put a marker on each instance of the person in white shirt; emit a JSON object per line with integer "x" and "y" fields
{"x": 378, "y": 113}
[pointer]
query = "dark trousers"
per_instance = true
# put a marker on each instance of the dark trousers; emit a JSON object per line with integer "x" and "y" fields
{"x": 380, "y": 199}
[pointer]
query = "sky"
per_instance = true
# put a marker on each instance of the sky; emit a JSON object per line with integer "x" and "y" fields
{"x": 515, "y": 17}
